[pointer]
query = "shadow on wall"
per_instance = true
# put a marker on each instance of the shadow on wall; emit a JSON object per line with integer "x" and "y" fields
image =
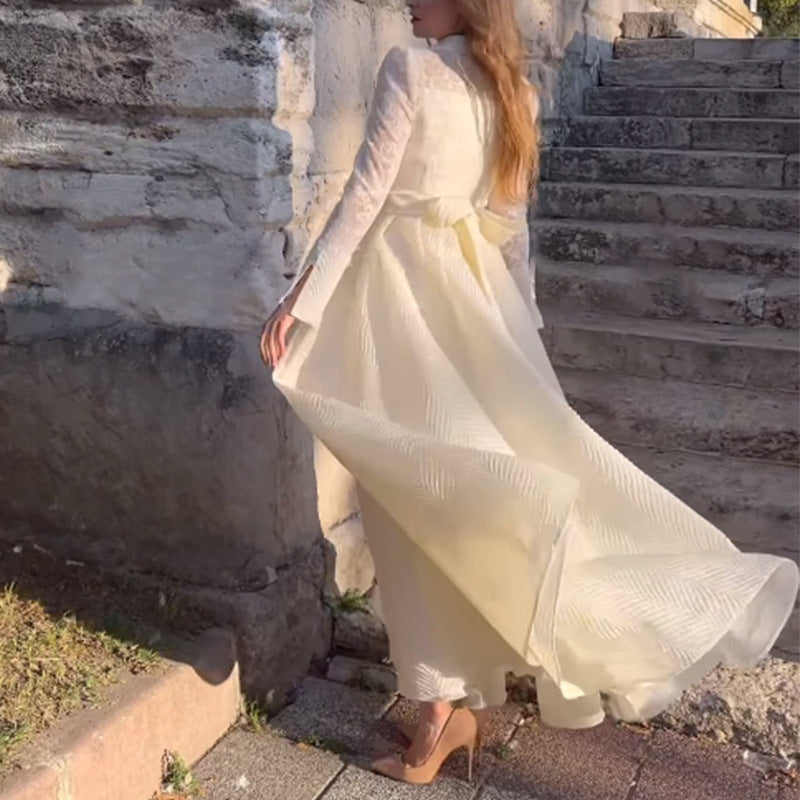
{"x": 165, "y": 463}
{"x": 140, "y": 434}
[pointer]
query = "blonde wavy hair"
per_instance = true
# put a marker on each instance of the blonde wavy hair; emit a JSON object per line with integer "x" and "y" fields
{"x": 496, "y": 42}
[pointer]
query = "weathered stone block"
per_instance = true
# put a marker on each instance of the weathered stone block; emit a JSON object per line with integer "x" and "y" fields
{"x": 751, "y": 252}
{"x": 361, "y": 634}
{"x": 177, "y": 272}
{"x": 654, "y": 48}
{"x": 152, "y": 448}
{"x": 665, "y": 292}
{"x": 791, "y": 173}
{"x": 658, "y": 24}
{"x": 651, "y": 132}
{"x": 98, "y": 65}
{"x": 680, "y": 350}
{"x": 730, "y": 420}
{"x": 765, "y": 48}
{"x": 691, "y": 73}
{"x": 354, "y": 566}
{"x": 642, "y": 166}
{"x": 737, "y": 208}
{"x": 749, "y": 136}
{"x": 216, "y": 199}
{"x": 250, "y": 148}
{"x": 362, "y": 674}
{"x": 790, "y": 75}
{"x": 694, "y": 102}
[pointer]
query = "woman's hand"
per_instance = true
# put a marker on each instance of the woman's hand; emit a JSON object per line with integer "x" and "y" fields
{"x": 273, "y": 335}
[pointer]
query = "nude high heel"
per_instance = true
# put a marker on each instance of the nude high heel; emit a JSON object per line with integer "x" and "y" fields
{"x": 409, "y": 730}
{"x": 460, "y": 730}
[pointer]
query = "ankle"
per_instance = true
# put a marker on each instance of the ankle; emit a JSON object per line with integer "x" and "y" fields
{"x": 436, "y": 710}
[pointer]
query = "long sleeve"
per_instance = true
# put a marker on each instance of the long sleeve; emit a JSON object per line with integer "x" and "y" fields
{"x": 376, "y": 165}
{"x": 517, "y": 254}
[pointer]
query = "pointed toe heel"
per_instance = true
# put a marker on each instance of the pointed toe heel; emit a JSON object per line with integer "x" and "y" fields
{"x": 460, "y": 730}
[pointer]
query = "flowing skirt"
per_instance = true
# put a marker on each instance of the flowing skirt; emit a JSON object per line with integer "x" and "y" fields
{"x": 533, "y": 543}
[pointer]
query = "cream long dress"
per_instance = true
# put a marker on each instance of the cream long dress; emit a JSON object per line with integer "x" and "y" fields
{"x": 506, "y": 533}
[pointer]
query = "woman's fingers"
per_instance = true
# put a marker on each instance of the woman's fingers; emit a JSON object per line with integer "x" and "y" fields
{"x": 263, "y": 345}
{"x": 272, "y": 344}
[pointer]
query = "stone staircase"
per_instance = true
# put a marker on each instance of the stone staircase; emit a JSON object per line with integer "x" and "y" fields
{"x": 667, "y": 271}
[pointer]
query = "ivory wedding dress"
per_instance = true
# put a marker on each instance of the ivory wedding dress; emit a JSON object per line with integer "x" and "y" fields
{"x": 506, "y": 533}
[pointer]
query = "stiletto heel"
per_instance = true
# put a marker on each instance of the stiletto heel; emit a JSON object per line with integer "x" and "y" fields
{"x": 471, "y": 747}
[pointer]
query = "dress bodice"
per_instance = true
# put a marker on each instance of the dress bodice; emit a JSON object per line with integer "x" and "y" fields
{"x": 432, "y": 130}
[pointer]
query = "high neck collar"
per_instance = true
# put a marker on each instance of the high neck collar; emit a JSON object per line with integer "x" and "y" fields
{"x": 453, "y": 41}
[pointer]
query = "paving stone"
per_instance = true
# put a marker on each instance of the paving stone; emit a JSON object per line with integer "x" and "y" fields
{"x": 253, "y": 766}
{"x": 678, "y": 768}
{"x": 360, "y": 784}
{"x": 597, "y": 763}
{"x": 337, "y": 715}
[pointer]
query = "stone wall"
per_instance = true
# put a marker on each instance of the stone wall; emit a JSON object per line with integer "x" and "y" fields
{"x": 153, "y": 160}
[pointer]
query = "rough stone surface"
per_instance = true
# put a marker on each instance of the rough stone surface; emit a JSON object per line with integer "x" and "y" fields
{"x": 691, "y": 73}
{"x": 362, "y": 674}
{"x": 361, "y": 634}
{"x": 690, "y": 206}
{"x": 683, "y": 102}
{"x": 658, "y": 25}
{"x": 751, "y": 252}
{"x": 756, "y": 708}
{"x": 355, "y": 569}
{"x": 335, "y": 714}
{"x": 681, "y": 349}
{"x": 618, "y": 165}
{"x": 148, "y": 449}
{"x": 667, "y": 293}
{"x": 739, "y": 422}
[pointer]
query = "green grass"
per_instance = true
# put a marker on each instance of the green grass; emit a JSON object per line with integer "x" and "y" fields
{"x": 351, "y": 600}
{"x": 51, "y": 666}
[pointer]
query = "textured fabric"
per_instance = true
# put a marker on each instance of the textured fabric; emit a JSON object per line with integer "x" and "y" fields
{"x": 505, "y": 531}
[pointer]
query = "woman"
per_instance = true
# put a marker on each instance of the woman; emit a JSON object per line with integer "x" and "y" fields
{"x": 506, "y": 533}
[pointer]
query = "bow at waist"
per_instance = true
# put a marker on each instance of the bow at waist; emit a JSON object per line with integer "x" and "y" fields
{"x": 448, "y": 210}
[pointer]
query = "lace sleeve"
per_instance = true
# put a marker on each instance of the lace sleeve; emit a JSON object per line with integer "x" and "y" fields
{"x": 517, "y": 254}
{"x": 376, "y": 166}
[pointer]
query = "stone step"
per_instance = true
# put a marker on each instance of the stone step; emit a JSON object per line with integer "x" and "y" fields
{"x": 746, "y": 423}
{"x": 671, "y": 167}
{"x": 766, "y": 49}
{"x": 661, "y": 102}
{"x": 692, "y": 73}
{"x": 737, "y": 208}
{"x": 668, "y": 293}
{"x": 686, "y": 133}
{"x": 754, "y": 502}
{"x": 753, "y": 252}
{"x": 687, "y": 350}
